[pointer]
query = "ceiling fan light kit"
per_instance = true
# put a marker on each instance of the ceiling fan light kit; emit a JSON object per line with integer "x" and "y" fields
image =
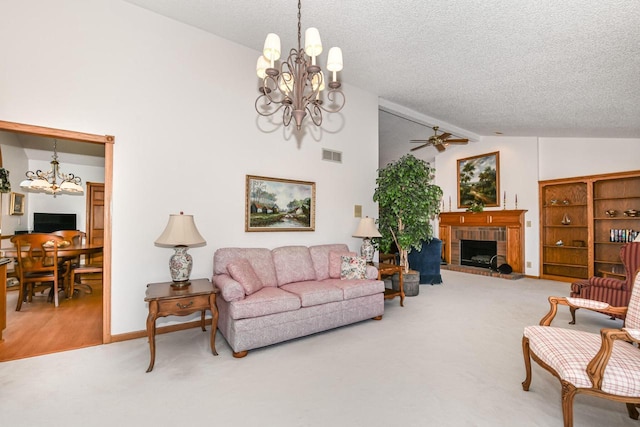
{"x": 440, "y": 142}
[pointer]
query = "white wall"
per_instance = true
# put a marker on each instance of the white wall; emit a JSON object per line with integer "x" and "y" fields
{"x": 567, "y": 157}
{"x": 15, "y": 161}
{"x": 180, "y": 103}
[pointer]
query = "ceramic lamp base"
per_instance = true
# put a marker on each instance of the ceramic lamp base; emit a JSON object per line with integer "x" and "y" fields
{"x": 180, "y": 265}
{"x": 367, "y": 250}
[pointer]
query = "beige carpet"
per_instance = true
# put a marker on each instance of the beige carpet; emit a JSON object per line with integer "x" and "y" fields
{"x": 451, "y": 357}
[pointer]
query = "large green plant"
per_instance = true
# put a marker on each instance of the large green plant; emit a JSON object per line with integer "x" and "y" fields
{"x": 407, "y": 202}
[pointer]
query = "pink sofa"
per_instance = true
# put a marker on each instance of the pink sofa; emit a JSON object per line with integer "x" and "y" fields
{"x": 269, "y": 296}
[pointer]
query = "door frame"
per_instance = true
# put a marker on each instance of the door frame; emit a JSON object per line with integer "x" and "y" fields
{"x": 107, "y": 141}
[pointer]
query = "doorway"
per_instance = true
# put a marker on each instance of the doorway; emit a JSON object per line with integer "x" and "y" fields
{"x": 107, "y": 141}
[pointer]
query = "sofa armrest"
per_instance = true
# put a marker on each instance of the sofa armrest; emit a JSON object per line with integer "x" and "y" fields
{"x": 372, "y": 272}
{"x": 229, "y": 288}
{"x": 606, "y": 282}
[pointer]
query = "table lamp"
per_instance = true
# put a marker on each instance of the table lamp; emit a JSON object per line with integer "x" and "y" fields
{"x": 367, "y": 229}
{"x": 180, "y": 234}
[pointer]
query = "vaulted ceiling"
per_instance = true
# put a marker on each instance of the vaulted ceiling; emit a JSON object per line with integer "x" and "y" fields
{"x": 549, "y": 68}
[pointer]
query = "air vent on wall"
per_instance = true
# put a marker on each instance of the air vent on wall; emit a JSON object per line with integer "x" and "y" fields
{"x": 331, "y": 156}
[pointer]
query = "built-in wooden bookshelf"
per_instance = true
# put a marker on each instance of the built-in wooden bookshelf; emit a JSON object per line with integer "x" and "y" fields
{"x": 584, "y": 221}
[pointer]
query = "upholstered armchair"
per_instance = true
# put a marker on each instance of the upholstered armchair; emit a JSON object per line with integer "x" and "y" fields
{"x": 604, "y": 365}
{"x": 427, "y": 261}
{"x": 614, "y": 292}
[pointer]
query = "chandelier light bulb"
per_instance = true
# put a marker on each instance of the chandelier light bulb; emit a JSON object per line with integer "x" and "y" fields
{"x": 312, "y": 43}
{"x": 261, "y": 67}
{"x": 286, "y": 83}
{"x": 271, "y": 49}
{"x": 334, "y": 61}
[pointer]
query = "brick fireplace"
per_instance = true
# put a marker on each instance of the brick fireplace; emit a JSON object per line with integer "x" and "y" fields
{"x": 505, "y": 227}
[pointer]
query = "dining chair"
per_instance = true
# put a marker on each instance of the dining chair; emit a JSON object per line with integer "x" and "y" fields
{"x": 37, "y": 265}
{"x": 79, "y": 265}
{"x": 605, "y": 365}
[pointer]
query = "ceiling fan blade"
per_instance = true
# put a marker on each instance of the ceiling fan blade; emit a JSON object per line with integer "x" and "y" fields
{"x": 444, "y": 136}
{"x": 419, "y": 147}
{"x": 419, "y": 141}
{"x": 457, "y": 141}
{"x": 440, "y": 147}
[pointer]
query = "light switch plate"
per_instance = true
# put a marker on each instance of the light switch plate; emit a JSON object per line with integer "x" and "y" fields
{"x": 357, "y": 211}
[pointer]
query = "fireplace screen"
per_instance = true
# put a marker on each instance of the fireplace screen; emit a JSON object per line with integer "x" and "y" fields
{"x": 477, "y": 253}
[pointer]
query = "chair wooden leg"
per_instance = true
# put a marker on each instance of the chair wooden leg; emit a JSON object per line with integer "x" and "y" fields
{"x": 527, "y": 363}
{"x": 572, "y": 310}
{"x": 20, "y": 296}
{"x": 633, "y": 412}
{"x": 568, "y": 393}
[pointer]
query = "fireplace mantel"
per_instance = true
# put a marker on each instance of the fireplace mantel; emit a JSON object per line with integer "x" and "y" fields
{"x": 511, "y": 222}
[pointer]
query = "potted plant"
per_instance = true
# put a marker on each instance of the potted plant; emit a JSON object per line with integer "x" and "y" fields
{"x": 407, "y": 201}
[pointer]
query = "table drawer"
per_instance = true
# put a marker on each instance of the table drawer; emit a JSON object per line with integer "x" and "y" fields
{"x": 184, "y": 305}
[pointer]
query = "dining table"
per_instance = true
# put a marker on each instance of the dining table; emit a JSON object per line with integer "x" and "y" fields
{"x": 66, "y": 253}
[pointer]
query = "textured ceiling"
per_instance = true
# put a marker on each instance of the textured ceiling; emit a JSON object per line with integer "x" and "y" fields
{"x": 548, "y": 68}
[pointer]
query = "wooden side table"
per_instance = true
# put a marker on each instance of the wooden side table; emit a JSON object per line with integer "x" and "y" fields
{"x": 165, "y": 301}
{"x": 385, "y": 269}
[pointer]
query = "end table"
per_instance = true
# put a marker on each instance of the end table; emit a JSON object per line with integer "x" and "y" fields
{"x": 166, "y": 301}
{"x": 385, "y": 269}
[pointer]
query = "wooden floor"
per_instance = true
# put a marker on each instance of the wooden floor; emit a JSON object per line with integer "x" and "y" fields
{"x": 40, "y": 328}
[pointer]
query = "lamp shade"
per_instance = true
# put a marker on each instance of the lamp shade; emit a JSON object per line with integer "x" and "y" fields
{"x": 312, "y": 42}
{"x": 334, "y": 60}
{"x": 261, "y": 66}
{"x": 271, "y": 49}
{"x": 367, "y": 228}
{"x": 180, "y": 231}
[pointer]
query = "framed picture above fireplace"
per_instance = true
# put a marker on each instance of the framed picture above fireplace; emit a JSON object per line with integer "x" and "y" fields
{"x": 479, "y": 180}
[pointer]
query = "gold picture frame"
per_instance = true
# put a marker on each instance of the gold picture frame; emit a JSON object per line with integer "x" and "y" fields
{"x": 276, "y": 204}
{"x": 479, "y": 180}
{"x": 16, "y": 206}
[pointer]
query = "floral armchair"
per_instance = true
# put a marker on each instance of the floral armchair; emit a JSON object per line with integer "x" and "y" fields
{"x": 604, "y": 365}
{"x": 614, "y": 292}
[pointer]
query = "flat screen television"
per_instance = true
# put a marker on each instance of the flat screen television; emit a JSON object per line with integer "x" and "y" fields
{"x": 49, "y": 222}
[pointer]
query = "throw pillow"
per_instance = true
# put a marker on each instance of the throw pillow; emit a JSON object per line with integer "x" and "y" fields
{"x": 335, "y": 263}
{"x": 242, "y": 272}
{"x": 353, "y": 267}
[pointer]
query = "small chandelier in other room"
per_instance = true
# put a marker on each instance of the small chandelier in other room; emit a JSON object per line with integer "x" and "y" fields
{"x": 297, "y": 84}
{"x": 47, "y": 181}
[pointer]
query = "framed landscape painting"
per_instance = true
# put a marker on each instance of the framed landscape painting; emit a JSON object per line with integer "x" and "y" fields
{"x": 276, "y": 204}
{"x": 479, "y": 180}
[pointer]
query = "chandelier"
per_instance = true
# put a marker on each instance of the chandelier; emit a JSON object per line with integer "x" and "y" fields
{"x": 47, "y": 181}
{"x": 297, "y": 84}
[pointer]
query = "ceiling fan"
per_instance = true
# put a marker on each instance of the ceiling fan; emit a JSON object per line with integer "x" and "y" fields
{"x": 439, "y": 141}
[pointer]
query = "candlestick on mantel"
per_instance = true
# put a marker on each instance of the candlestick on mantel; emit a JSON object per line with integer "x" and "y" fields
{"x": 449, "y": 203}
{"x": 516, "y": 201}
{"x": 504, "y": 201}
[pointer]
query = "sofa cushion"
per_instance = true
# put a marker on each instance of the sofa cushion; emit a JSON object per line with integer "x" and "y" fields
{"x": 293, "y": 264}
{"x": 260, "y": 259}
{"x": 242, "y": 272}
{"x": 268, "y": 300}
{"x": 314, "y": 292}
{"x": 353, "y": 267}
{"x": 321, "y": 259}
{"x": 335, "y": 263}
{"x": 356, "y": 288}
